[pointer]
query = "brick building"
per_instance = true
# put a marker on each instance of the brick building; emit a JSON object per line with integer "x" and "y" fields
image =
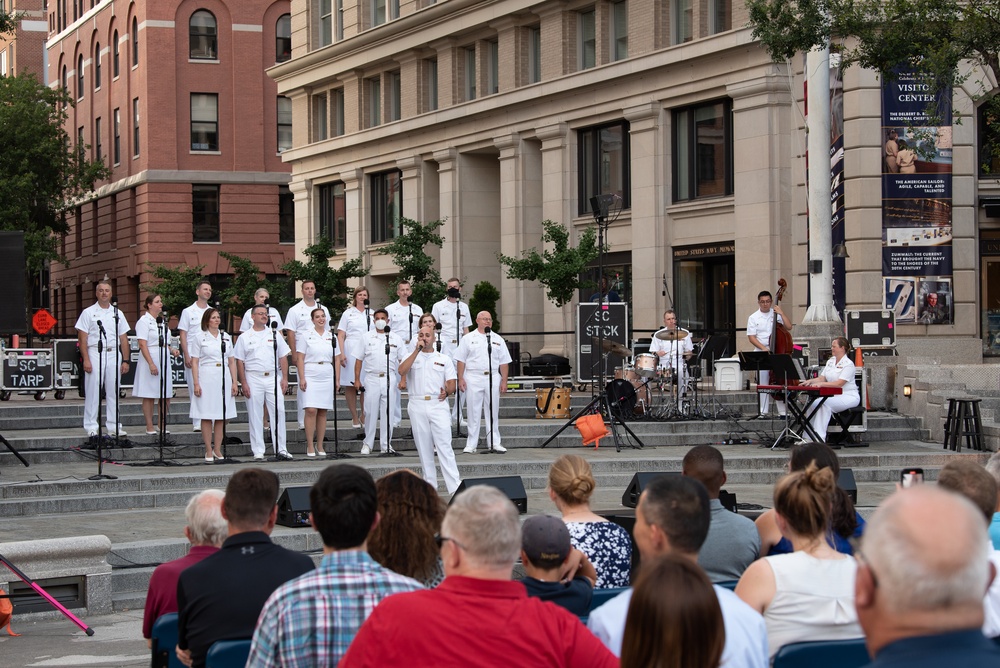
{"x": 173, "y": 97}
{"x": 24, "y": 50}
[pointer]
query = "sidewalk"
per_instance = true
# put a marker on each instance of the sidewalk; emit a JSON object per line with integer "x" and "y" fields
{"x": 117, "y": 641}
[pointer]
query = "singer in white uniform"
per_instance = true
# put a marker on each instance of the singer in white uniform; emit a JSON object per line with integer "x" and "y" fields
{"x": 454, "y": 317}
{"x": 838, "y": 372}
{"x": 317, "y": 358}
{"x": 261, "y": 296}
{"x": 430, "y": 378}
{"x": 404, "y": 318}
{"x": 355, "y": 322}
{"x": 297, "y": 321}
{"x": 213, "y": 367}
{"x": 759, "y": 327}
{"x": 189, "y": 324}
{"x": 105, "y": 352}
{"x": 673, "y": 354}
{"x": 256, "y": 352}
{"x": 479, "y": 352}
{"x": 377, "y": 370}
{"x": 152, "y": 372}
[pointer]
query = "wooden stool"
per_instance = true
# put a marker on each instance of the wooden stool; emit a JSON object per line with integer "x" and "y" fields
{"x": 963, "y": 421}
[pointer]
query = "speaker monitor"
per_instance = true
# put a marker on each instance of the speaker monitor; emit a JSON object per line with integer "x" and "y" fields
{"x": 510, "y": 485}
{"x": 846, "y": 482}
{"x": 13, "y": 319}
{"x": 293, "y": 507}
{"x": 630, "y": 499}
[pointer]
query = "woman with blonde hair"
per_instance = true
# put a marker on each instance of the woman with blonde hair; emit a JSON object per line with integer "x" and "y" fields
{"x": 606, "y": 544}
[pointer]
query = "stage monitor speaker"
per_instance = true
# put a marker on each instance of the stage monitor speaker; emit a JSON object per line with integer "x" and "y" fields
{"x": 510, "y": 485}
{"x": 293, "y": 507}
{"x": 13, "y": 318}
{"x": 728, "y": 500}
{"x": 846, "y": 482}
{"x": 630, "y": 499}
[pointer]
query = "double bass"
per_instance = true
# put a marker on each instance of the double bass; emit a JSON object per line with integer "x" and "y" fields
{"x": 781, "y": 339}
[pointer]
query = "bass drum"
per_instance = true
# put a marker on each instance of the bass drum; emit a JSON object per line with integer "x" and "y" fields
{"x": 621, "y": 396}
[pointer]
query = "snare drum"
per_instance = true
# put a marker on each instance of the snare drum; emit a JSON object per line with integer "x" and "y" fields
{"x": 645, "y": 364}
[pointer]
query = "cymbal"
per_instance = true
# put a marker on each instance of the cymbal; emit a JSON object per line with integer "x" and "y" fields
{"x": 612, "y": 347}
{"x": 671, "y": 334}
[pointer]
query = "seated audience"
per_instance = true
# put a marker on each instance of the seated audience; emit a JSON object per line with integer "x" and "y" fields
{"x": 681, "y": 630}
{"x": 845, "y": 522}
{"x": 808, "y": 594}
{"x": 733, "y": 542}
{"x": 606, "y": 544}
{"x": 545, "y": 553}
{"x": 969, "y": 479}
{"x": 922, "y": 571}
{"x": 478, "y": 616}
{"x": 993, "y": 468}
{"x": 220, "y": 597}
{"x": 672, "y": 517}
{"x": 410, "y": 513}
{"x": 205, "y": 531}
{"x": 311, "y": 620}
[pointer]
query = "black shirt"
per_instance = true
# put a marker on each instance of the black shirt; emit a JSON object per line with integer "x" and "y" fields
{"x": 574, "y": 595}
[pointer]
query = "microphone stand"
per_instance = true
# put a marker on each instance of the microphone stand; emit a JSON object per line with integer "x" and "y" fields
{"x": 101, "y": 475}
{"x": 119, "y": 441}
{"x": 388, "y": 399}
{"x": 336, "y": 454}
{"x": 489, "y": 363}
{"x": 222, "y": 347}
{"x": 274, "y": 418}
{"x": 458, "y": 392}
{"x": 164, "y": 361}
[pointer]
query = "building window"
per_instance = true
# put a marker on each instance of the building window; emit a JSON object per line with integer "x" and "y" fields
{"x": 325, "y": 22}
{"x": 321, "y": 116}
{"x": 98, "y": 136}
{"x": 80, "y": 145}
{"x": 681, "y": 15}
{"x": 205, "y": 213}
{"x": 703, "y": 151}
{"x": 604, "y": 164}
{"x": 386, "y": 205}
{"x": 338, "y": 27}
{"x": 619, "y": 30}
{"x": 431, "y": 72}
{"x": 204, "y": 36}
{"x": 378, "y": 9}
{"x": 588, "y": 39}
{"x": 394, "y": 92}
{"x": 493, "y": 81}
{"x": 97, "y": 66}
{"x": 374, "y": 86}
{"x": 284, "y": 123}
{"x": 204, "y": 122}
{"x": 79, "y": 77}
{"x": 286, "y": 216}
{"x": 116, "y": 58}
{"x": 337, "y": 105}
{"x": 470, "y": 73}
{"x": 534, "y": 54}
{"x": 719, "y": 16}
{"x": 135, "y": 42}
{"x": 283, "y": 38}
{"x": 135, "y": 127}
{"x": 65, "y": 80}
{"x": 116, "y": 144}
{"x": 332, "y": 213}
{"x": 988, "y": 131}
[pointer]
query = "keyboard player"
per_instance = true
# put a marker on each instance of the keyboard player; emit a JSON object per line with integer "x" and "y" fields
{"x": 838, "y": 372}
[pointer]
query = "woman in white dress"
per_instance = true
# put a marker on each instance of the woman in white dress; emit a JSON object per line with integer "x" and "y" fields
{"x": 355, "y": 322}
{"x": 315, "y": 358}
{"x": 152, "y": 357}
{"x": 213, "y": 368}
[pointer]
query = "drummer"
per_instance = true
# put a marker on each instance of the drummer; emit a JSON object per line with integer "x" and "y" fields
{"x": 673, "y": 346}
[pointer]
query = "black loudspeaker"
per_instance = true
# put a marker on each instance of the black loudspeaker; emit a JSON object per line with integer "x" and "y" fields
{"x": 630, "y": 499}
{"x": 13, "y": 319}
{"x": 728, "y": 500}
{"x": 293, "y": 507}
{"x": 510, "y": 485}
{"x": 846, "y": 482}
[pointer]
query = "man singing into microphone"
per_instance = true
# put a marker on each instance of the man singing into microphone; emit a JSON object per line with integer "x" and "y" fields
{"x": 380, "y": 369}
{"x": 100, "y": 343}
{"x": 483, "y": 355}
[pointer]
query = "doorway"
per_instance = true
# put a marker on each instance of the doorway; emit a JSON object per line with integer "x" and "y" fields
{"x": 705, "y": 292}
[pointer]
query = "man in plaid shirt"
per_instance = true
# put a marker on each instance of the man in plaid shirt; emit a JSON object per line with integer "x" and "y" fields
{"x": 311, "y": 620}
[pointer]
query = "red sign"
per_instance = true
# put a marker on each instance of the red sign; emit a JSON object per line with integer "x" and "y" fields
{"x": 43, "y": 321}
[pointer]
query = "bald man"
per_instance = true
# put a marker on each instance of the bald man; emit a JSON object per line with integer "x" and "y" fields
{"x": 483, "y": 355}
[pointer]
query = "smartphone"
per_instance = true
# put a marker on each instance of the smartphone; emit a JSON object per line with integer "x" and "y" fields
{"x": 911, "y": 477}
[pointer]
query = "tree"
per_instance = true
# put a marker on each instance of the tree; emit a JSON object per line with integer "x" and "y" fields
{"x": 8, "y": 22}
{"x": 484, "y": 298}
{"x": 931, "y": 36}
{"x": 557, "y": 269}
{"x": 331, "y": 284}
{"x": 175, "y": 285}
{"x": 415, "y": 265}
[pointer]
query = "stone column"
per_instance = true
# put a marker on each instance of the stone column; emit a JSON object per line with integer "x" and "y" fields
{"x": 356, "y": 223}
{"x": 448, "y": 204}
{"x": 557, "y": 205}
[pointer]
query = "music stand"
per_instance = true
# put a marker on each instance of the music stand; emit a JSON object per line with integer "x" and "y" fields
{"x": 783, "y": 364}
{"x": 756, "y": 361}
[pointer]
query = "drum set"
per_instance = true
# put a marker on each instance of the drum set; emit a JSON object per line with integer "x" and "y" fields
{"x": 644, "y": 389}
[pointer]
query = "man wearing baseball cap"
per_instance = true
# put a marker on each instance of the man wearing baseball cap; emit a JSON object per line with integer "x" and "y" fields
{"x": 556, "y": 571}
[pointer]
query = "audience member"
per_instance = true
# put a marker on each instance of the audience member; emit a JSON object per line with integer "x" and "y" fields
{"x": 672, "y": 517}
{"x": 922, "y": 571}
{"x": 606, "y": 544}
{"x": 681, "y": 630}
{"x": 311, "y": 620}
{"x": 845, "y": 522}
{"x": 410, "y": 514}
{"x": 478, "y": 616}
{"x": 808, "y": 594}
{"x": 545, "y": 554}
{"x": 220, "y": 597}
{"x": 733, "y": 542}
{"x": 993, "y": 468}
{"x": 205, "y": 530}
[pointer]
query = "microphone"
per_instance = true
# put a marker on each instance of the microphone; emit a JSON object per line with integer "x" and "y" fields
{"x": 487, "y": 331}
{"x": 274, "y": 324}
{"x": 437, "y": 335}
{"x": 101, "y": 325}
{"x": 159, "y": 320}
{"x": 367, "y": 303}
{"x": 385, "y": 330}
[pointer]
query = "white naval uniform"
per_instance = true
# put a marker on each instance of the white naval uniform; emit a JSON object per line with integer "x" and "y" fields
{"x": 107, "y": 362}
{"x": 472, "y": 351}
{"x": 190, "y": 322}
{"x": 850, "y": 397}
{"x": 406, "y": 328}
{"x": 430, "y": 417}
{"x": 670, "y": 360}
{"x": 299, "y": 320}
{"x": 761, "y": 325}
{"x": 451, "y": 333}
{"x": 376, "y": 377}
{"x": 146, "y": 385}
{"x": 214, "y": 376}
{"x": 354, "y": 324}
{"x": 320, "y": 352}
{"x": 256, "y": 350}
{"x": 246, "y": 324}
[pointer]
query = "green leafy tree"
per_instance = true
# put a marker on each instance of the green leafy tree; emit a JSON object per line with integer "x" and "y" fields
{"x": 409, "y": 253}
{"x": 930, "y": 36}
{"x": 247, "y": 278}
{"x": 175, "y": 285}
{"x": 558, "y": 268}
{"x": 8, "y": 22}
{"x": 484, "y": 298}
{"x": 331, "y": 283}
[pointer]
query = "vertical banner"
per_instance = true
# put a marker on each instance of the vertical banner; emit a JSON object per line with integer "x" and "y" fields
{"x": 916, "y": 200}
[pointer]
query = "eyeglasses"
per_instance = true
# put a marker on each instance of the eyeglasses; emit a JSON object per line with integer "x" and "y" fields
{"x": 439, "y": 540}
{"x": 763, "y": 301}
{"x": 859, "y": 556}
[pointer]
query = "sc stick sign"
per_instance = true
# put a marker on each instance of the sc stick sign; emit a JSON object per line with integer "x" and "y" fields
{"x": 592, "y": 321}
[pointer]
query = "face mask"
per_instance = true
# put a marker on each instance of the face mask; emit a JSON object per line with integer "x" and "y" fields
{"x": 380, "y": 325}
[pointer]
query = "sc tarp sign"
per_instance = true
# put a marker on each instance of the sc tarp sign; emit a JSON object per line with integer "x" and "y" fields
{"x": 591, "y": 320}
{"x": 27, "y": 369}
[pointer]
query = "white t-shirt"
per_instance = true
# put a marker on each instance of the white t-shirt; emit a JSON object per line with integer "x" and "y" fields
{"x": 93, "y": 318}
{"x": 760, "y": 325}
{"x": 399, "y": 319}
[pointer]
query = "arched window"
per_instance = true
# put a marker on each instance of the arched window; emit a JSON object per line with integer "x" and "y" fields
{"x": 79, "y": 77}
{"x": 283, "y": 38}
{"x": 65, "y": 80}
{"x": 135, "y": 42}
{"x": 116, "y": 60}
{"x": 97, "y": 66}
{"x": 204, "y": 36}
